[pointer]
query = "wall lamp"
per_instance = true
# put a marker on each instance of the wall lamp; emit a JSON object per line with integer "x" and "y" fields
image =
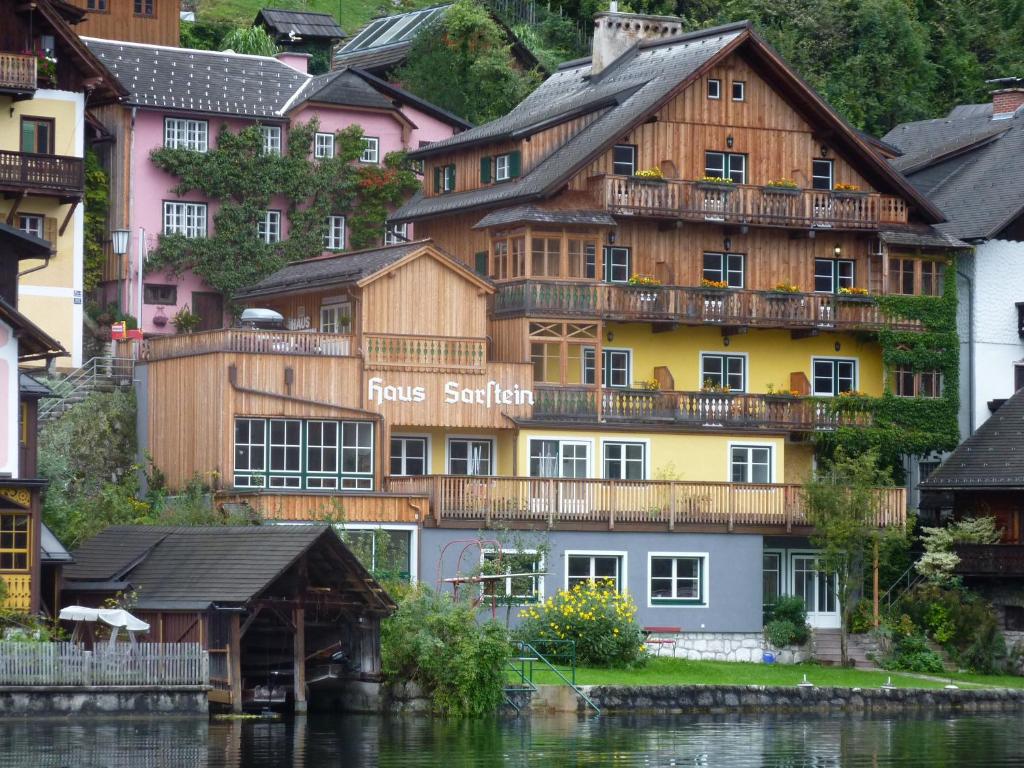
{"x": 824, "y": 150}
{"x": 727, "y": 243}
{"x": 611, "y": 238}
{"x": 838, "y": 346}
{"x": 119, "y": 241}
{"x": 837, "y": 251}
{"x": 611, "y": 336}
{"x": 729, "y": 141}
{"x": 725, "y": 341}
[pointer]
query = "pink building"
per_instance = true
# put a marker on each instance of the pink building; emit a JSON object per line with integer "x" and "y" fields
{"x": 181, "y": 98}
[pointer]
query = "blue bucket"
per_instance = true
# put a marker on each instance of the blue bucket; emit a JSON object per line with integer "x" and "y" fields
{"x": 768, "y": 657}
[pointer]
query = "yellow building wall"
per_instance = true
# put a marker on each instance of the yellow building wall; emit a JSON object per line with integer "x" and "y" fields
{"x": 48, "y": 296}
{"x": 771, "y": 355}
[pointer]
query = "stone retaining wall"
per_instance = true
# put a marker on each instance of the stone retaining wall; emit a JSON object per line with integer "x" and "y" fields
{"x": 731, "y": 646}
{"x": 42, "y": 701}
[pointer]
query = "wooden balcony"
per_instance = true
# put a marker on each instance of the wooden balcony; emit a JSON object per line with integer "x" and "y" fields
{"x": 251, "y": 341}
{"x": 685, "y": 305}
{"x": 424, "y": 352}
{"x": 747, "y": 204}
{"x": 358, "y": 507}
{"x": 17, "y": 73}
{"x": 457, "y": 501}
{"x": 41, "y": 174}
{"x": 695, "y": 409}
{"x": 992, "y": 560}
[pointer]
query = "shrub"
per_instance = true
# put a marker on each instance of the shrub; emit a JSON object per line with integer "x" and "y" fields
{"x": 596, "y": 617}
{"x": 911, "y": 654}
{"x": 790, "y": 609}
{"x": 780, "y": 632}
{"x": 861, "y": 620}
{"x": 436, "y": 642}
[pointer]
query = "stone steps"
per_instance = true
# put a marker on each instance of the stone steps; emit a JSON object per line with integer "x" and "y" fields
{"x": 826, "y": 644}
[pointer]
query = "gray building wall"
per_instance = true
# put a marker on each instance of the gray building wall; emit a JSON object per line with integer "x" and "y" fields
{"x": 734, "y": 563}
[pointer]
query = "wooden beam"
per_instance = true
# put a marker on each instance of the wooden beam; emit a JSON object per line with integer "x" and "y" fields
{"x": 804, "y": 333}
{"x": 249, "y": 620}
{"x": 299, "y": 658}
{"x": 14, "y": 209}
{"x": 67, "y": 219}
{"x": 235, "y": 663}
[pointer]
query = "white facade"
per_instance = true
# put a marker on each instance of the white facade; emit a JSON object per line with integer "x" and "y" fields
{"x": 8, "y": 401}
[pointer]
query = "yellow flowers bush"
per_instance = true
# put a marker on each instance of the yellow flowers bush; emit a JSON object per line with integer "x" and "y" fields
{"x": 596, "y": 617}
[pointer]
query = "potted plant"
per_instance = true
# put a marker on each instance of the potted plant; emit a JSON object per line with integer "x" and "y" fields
{"x": 652, "y": 175}
{"x": 781, "y": 187}
{"x": 854, "y": 294}
{"x": 649, "y": 385}
{"x": 783, "y": 290}
{"x": 847, "y": 191}
{"x": 160, "y": 319}
{"x": 185, "y": 320}
{"x": 715, "y": 183}
{"x": 647, "y": 286}
{"x": 714, "y": 285}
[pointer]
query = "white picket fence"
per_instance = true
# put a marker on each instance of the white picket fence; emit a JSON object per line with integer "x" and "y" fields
{"x": 142, "y": 664}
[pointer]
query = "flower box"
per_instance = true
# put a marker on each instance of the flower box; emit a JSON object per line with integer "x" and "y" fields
{"x": 848, "y": 194}
{"x": 714, "y": 186}
{"x": 647, "y": 180}
{"x": 856, "y": 298}
{"x": 791, "y": 191}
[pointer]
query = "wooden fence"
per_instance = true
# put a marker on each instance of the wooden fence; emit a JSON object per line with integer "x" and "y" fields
{"x": 143, "y": 664}
{"x": 248, "y": 340}
{"x": 429, "y": 353}
{"x": 18, "y": 71}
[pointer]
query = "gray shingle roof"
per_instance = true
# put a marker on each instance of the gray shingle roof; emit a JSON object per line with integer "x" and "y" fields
{"x": 925, "y": 237}
{"x": 971, "y": 166}
{"x": 32, "y": 387}
{"x": 521, "y": 213}
{"x": 993, "y": 457}
{"x": 109, "y": 554}
{"x": 307, "y": 25}
{"x": 199, "y": 81}
{"x": 330, "y": 270}
{"x": 50, "y": 548}
{"x": 344, "y": 88}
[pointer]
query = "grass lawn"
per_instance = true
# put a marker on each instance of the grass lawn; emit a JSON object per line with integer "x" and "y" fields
{"x": 682, "y": 672}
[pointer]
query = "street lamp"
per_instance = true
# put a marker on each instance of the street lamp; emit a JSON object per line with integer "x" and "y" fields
{"x": 119, "y": 241}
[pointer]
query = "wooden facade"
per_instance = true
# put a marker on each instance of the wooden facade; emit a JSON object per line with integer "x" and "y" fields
{"x": 156, "y": 22}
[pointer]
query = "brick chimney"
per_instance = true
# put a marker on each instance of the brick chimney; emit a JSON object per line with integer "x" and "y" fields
{"x": 295, "y": 60}
{"x": 615, "y": 33}
{"x": 1008, "y": 98}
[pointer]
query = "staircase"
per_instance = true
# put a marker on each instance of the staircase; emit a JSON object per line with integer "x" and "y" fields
{"x": 100, "y": 374}
{"x": 560, "y": 660}
{"x": 826, "y": 645}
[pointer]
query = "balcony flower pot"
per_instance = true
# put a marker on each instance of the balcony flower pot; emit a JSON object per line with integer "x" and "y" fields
{"x": 715, "y": 186}
{"x": 848, "y": 194}
{"x": 790, "y": 191}
{"x": 780, "y": 295}
{"x": 160, "y": 321}
{"x": 647, "y": 180}
{"x": 855, "y": 298}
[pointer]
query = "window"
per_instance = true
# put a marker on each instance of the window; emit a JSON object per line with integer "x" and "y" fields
{"x": 444, "y": 179}
{"x": 99, "y": 6}
{"x": 545, "y": 256}
{"x": 143, "y": 7}
{"x": 918, "y": 384}
{"x": 336, "y": 317}
{"x": 901, "y": 276}
{"x": 371, "y": 150}
{"x": 323, "y": 145}
{"x": 739, "y": 90}
{"x": 617, "y": 266}
{"x": 501, "y": 168}
{"x": 584, "y": 568}
{"x": 31, "y": 224}
{"x": 250, "y": 453}
{"x": 624, "y": 159}
{"x": 833, "y": 377}
{"x": 832, "y": 274}
{"x": 186, "y": 134}
{"x": 559, "y": 458}
{"x": 724, "y": 371}
{"x": 271, "y": 139}
{"x": 269, "y": 230}
{"x": 285, "y": 452}
{"x": 357, "y": 455}
{"x": 724, "y": 268}
{"x": 153, "y": 293}
{"x": 916, "y": 277}
{"x": 714, "y": 89}
{"x": 14, "y": 541}
{"x": 470, "y": 457}
{"x": 387, "y": 553}
{"x": 822, "y": 174}
{"x": 582, "y": 258}
{"x": 396, "y": 234}
{"x": 408, "y": 455}
{"x": 771, "y": 577}
{"x": 925, "y": 469}
{"x": 616, "y": 367}
{"x": 518, "y": 587}
{"x": 750, "y": 464}
{"x": 334, "y": 238}
{"x": 726, "y": 165}
{"x": 188, "y": 219}
{"x": 37, "y": 135}
{"x": 322, "y": 454}
{"x": 625, "y": 461}
{"x": 1018, "y": 376}
{"x": 677, "y": 579}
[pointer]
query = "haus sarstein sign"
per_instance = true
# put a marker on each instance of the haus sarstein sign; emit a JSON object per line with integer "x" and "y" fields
{"x": 491, "y": 394}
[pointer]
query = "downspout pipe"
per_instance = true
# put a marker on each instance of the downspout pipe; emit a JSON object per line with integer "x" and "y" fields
{"x": 970, "y": 347}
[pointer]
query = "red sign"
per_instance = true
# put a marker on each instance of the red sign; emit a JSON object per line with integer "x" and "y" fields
{"x": 117, "y": 331}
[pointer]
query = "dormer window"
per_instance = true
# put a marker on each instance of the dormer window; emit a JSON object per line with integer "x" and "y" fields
{"x": 714, "y": 89}
{"x": 739, "y": 90}
{"x": 444, "y": 179}
{"x": 500, "y": 167}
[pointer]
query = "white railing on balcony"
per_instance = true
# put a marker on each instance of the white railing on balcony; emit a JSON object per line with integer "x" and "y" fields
{"x": 248, "y": 340}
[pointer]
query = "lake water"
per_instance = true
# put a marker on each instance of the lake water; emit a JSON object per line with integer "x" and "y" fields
{"x": 560, "y": 742}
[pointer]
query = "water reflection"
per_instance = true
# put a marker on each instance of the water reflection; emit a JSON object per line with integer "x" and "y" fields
{"x": 563, "y": 742}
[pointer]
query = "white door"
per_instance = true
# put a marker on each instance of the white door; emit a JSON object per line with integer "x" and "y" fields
{"x": 818, "y": 591}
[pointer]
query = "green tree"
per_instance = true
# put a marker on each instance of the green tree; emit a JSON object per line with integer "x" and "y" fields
{"x": 465, "y": 65}
{"x": 251, "y": 40}
{"x": 97, "y": 206}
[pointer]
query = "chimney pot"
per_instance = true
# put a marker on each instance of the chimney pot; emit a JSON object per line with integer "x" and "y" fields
{"x": 615, "y": 33}
{"x": 1006, "y": 102}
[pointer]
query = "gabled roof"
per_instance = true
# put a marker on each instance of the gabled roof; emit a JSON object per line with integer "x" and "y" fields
{"x": 532, "y": 213}
{"x": 993, "y": 457}
{"x": 29, "y": 386}
{"x": 309, "y": 26}
{"x": 22, "y": 244}
{"x": 343, "y": 88}
{"x": 625, "y": 94}
{"x": 33, "y": 342}
{"x": 50, "y": 548}
{"x": 970, "y": 165}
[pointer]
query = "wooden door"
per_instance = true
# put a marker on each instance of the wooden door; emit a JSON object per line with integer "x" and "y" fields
{"x": 210, "y": 308}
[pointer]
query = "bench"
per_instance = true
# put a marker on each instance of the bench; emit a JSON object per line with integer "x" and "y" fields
{"x": 662, "y": 637}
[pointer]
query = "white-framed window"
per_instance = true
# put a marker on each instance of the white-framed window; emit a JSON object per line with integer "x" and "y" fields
{"x": 724, "y": 371}
{"x": 396, "y": 234}
{"x": 271, "y": 139}
{"x": 714, "y": 88}
{"x": 724, "y": 268}
{"x": 371, "y": 150}
{"x": 285, "y": 465}
{"x": 334, "y": 237}
{"x": 188, "y": 219}
{"x": 409, "y": 456}
{"x": 624, "y": 159}
{"x": 386, "y": 551}
{"x": 336, "y": 316}
{"x": 726, "y": 165}
{"x": 524, "y": 576}
{"x": 616, "y": 367}
{"x": 771, "y": 577}
{"x": 832, "y": 274}
{"x": 750, "y": 463}
{"x": 624, "y": 460}
{"x": 559, "y": 458}
{"x": 250, "y": 453}
{"x": 357, "y": 455}
{"x": 322, "y": 454}
{"x": 502, "y": 168}
{"x": 822, "y": 174}
{"x": 832, "y": 376}
{"x": 677, "y": 578}
{"x": 739, "y": 90}
{"x": 323, "y": 145}
{"x": 180, "y": 133}
{"x": 269, "y": 229}
{"x": 617, "y": 264}
{"x": 584, "y": 567}
{"x": 470, "y": 456}
{"x": 31, "y": 224}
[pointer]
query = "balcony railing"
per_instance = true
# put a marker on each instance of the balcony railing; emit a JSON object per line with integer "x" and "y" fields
{"x": 695, "y": 306}
{"x": 990, "y": 559}
{"x": 246, "y": 340}
{"x": 33, "y": 172}
{"x": 459, "y": 500}
{"x": 423, "y": 352}
{"x": 746, "y": 204}
{"x": 17, "y": 72}
{"x": 704, "y": 409}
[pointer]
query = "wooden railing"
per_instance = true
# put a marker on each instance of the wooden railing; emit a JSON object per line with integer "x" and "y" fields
{"x": 248, "y": 340}
{"x": 312, "y": 505}
{"x": 158, "y": 664}
{"x": 746, "y": 204}
{"x": 46, "y": 173}
{"x": 694, "y": 306}
{"x": 547, "y": 501}
{"x": 426, "y": 352}
{"x": 19, "y": 591}
{"x": 17, "y": 71}
{"x": 990, "y": 559}
{"x": 706, "y": 409}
